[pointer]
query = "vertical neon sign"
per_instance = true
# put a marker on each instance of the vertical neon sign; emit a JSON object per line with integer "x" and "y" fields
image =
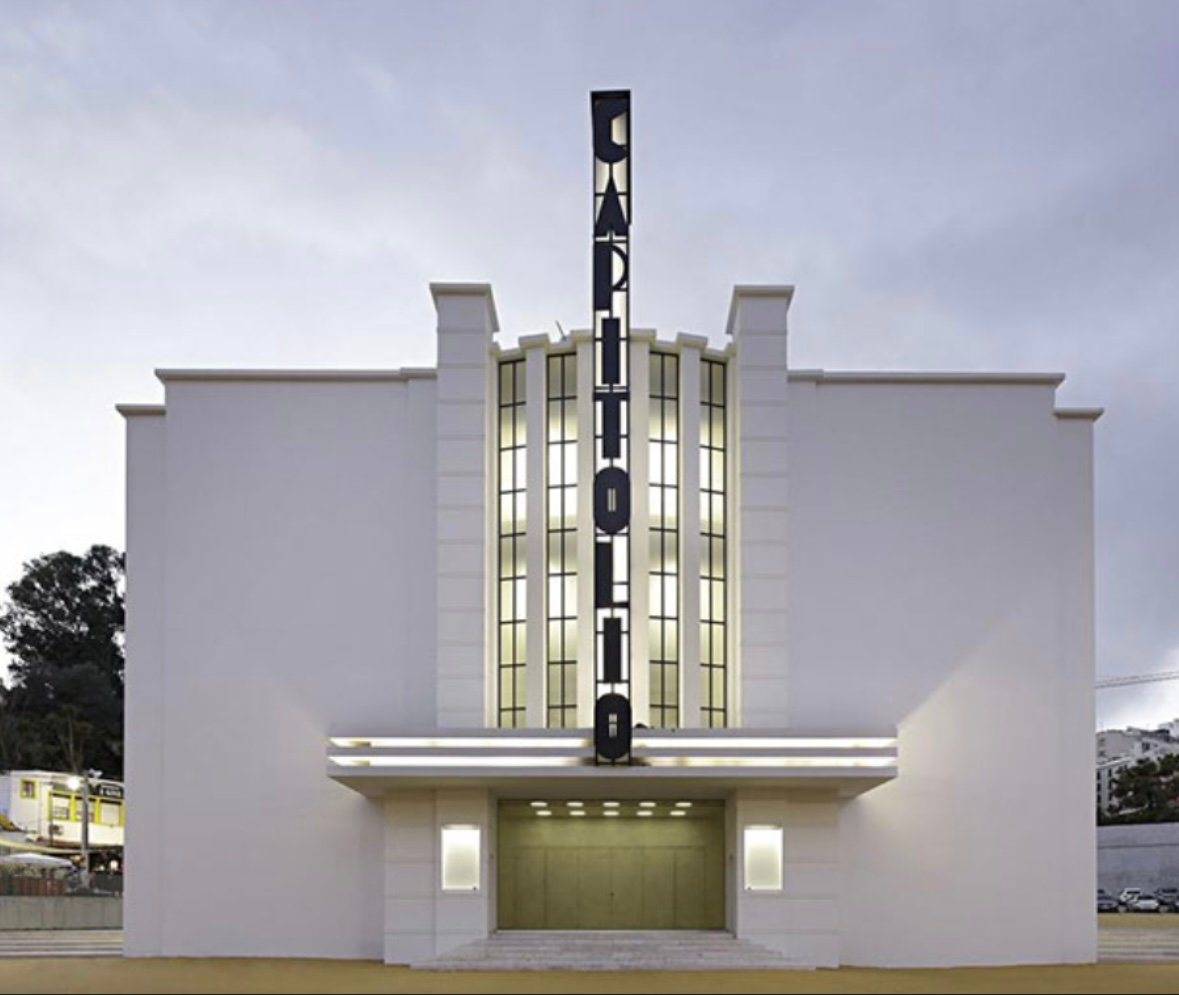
{"x": 610, "y": 111}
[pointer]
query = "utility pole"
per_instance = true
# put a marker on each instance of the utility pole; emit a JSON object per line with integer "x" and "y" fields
{"x": 82, "y": 781}
{"x": 85, "y": 829}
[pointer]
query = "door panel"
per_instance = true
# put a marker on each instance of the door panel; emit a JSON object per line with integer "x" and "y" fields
{"x": 594, "y": 893}
{"x": 689, "y": 888}
{"x": 626, "y": 887}
{"x": 529, "y": 891}
{"x": 658, "y": 889}
{"x": 611, "y": 873}
{"x": 562, "y": 883}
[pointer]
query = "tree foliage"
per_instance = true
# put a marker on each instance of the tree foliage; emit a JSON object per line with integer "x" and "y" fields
{"x": 63, "y": 625}
{"x": 1147, "y": 791}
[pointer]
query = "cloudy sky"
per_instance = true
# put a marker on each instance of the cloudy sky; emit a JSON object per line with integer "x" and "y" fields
{"x": 950, "y": 186}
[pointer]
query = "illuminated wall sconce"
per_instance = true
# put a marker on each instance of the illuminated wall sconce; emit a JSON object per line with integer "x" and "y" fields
{"x": 460, "y": 858}
{"x": 763, "y": 858}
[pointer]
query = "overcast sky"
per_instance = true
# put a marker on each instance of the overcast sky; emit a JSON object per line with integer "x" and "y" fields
{"x": 950, "y": 186}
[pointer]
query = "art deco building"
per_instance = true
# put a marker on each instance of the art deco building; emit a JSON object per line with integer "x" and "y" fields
{"x": 620, "y": 631}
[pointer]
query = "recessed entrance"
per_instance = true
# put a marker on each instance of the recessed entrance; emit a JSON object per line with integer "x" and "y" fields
{"x": 623, "y": 865}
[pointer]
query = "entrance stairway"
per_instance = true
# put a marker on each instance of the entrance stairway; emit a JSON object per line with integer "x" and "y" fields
{"x": 609, "y": 950}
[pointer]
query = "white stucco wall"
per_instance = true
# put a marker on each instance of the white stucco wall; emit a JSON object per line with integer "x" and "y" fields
{"x": 422, "y": 920}
{"x": 941, "y": 578}
{"x": 281, "y": 579}
{"x": 296, "y": 565}
{"x": 802, "y": 920}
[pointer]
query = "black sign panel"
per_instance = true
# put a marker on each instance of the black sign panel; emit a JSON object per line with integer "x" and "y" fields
{"x": 610, "y": 111}
{"x": 612, "y": 727}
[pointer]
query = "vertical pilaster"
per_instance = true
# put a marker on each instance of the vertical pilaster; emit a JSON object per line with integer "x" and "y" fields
{"x": 535, "y": 351}
{"x": 690, "y": 347}
{"x": 586, "y": 656}
{"x": 464, "y": 917}
{"x": 757, "y": 324}
{"x": 801, "y": 920}
{"x": 466, "y": 323}
{"x": 640, "y": 524}
{"x": 147, "y": 530}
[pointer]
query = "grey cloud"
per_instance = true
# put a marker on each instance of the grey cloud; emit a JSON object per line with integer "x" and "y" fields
{"x": 959, "y": 186}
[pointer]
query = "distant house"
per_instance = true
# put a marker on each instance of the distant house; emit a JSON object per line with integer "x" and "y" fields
{"x": 47, "y": 806}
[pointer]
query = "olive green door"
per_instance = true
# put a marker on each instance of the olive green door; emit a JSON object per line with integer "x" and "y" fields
{"x": 599, "y": 871}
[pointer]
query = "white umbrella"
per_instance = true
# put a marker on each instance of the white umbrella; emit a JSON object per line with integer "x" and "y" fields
{"x": 34, "y": 860}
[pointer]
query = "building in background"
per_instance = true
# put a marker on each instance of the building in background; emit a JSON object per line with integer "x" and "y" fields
{"x": 1138, "y": 744}
{"x": 619, "y": 631}
{"x": 1118, "y": 749}
{"x": 47, "y": 807}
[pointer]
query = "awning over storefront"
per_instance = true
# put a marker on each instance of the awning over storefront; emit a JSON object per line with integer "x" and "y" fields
{"x": 16, "y": 843}
{"x": 524, "y": 760}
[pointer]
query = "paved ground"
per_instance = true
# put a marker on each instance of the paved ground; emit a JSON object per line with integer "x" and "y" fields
{"x": 1138, "y": 920}
{"x": 133, "y": 977}
{"x": 50, "y": 963}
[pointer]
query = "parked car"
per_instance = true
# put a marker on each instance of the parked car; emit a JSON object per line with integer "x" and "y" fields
{"x": 1128, "y": 897}
{"x": 1168, "y": 898}
{"x": 1105, "y": 901}
{"x": 1145, "y": 902}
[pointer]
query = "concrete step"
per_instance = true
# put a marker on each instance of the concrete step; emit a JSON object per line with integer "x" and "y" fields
{"x": 1118, "y": 944}
{"x": 61, "y": 943}
{"x": 609, "y": 950}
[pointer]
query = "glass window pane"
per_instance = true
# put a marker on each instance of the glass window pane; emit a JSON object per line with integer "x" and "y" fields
{"x": 671, "y": 559}
{"x": 570, "y": 475}
{"x": 521, "y": 600}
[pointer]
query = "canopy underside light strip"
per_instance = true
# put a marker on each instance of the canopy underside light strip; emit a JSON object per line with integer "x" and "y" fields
{"x": 713, "y": 744}
{"x": 434, "y": 761}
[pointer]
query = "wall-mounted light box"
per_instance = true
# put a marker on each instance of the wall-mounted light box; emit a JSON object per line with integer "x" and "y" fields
{"x": 763, "y": 858}
{"x": 460, "y": 858}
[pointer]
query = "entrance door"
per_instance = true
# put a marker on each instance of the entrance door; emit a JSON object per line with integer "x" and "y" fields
{"x": 611, "y": 871}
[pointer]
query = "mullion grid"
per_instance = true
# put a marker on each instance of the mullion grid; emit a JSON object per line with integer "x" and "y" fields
{"x": 713, "y": 520}
{"x": 561, "y": 484}
{"x": 664, "y": 470}
{"x": 512, "y": 560}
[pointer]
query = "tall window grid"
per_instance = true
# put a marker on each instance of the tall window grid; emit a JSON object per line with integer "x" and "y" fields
{"x": 561, "y": 528}
{"x": 512, "y": 561}
{"x": 714, "y": 653}
{"x": 664, "y": 503}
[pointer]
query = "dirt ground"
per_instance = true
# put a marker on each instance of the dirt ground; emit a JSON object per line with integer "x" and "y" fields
{"x": 68, "y": 975}
{"x": 1138, "y": 920}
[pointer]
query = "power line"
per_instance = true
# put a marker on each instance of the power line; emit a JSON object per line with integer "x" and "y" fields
{"x": 1141, "y": 678}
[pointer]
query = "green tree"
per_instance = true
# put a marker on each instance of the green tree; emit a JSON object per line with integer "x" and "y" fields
{"x": 1147, "y": 791}
{"x": 63, "y": 625}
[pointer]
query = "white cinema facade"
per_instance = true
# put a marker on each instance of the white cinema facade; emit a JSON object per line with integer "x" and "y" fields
{"x": 365, "y": 649}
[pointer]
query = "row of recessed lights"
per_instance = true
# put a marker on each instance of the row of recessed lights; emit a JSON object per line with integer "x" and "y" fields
{"x": 610, "y": 809}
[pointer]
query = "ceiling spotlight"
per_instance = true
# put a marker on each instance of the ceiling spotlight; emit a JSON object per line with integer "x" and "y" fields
{"x": 574, "y": 804}
{"x": 679, "y": 812}
{"x": 540, "y": 804}
{"x": 646, "y": 813}
{"x": 646, "y": 804}
{"x": 609, "y": 804}
{"x": 543, "y": 811}
{"x": 610, "y": 814}
{"x": 683, "y": 804}
{"x": 578, "y": 812}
